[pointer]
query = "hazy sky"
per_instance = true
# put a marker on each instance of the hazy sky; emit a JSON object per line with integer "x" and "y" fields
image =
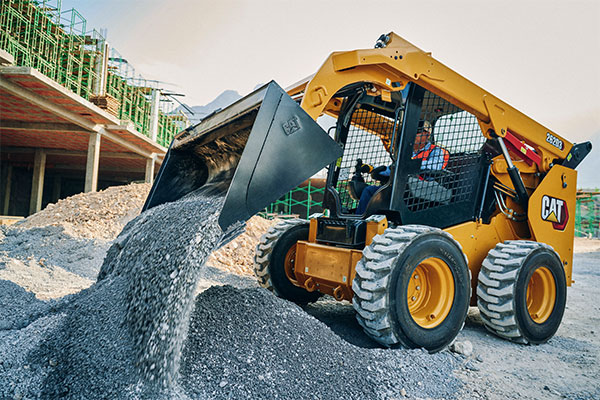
{"x": 543, "y": 57}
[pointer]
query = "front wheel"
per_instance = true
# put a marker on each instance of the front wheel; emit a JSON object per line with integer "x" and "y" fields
{"x": 274, "y": 261}
{"x": 412, "y": 288}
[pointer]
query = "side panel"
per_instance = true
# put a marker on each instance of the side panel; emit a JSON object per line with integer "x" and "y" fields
{"x": 552, "y": 214}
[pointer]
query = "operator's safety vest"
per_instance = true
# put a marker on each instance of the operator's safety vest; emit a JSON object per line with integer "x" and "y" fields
{"x": 424, "y": 154}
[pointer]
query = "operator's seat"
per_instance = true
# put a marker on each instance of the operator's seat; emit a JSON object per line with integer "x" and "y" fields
{"x": 380, "y": 202}
{"x": 356, "y": 186}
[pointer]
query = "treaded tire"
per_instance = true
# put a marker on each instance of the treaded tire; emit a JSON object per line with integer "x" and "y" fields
{"x": 502, "y": 291}
{"x": 382, "y": 280}
{"x": 269, "y": 260}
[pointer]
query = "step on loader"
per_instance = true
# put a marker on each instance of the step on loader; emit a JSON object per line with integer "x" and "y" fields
{"x": 438, "y": 196}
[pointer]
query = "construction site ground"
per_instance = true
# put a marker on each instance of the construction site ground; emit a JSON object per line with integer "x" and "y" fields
{"x": 245, "y": 343}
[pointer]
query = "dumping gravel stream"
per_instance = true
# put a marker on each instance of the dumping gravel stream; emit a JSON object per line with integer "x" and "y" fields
{"x": 125, "y": 333}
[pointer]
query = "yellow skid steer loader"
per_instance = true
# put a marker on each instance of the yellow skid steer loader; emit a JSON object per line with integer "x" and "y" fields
{"x": 439, "y": 195}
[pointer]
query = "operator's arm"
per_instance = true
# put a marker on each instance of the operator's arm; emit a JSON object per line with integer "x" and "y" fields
{"x": 381, "y": 173}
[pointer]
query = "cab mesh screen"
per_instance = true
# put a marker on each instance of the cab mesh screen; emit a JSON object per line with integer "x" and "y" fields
{"x": 368, "y": 139}
{"x": 449, "y": 154}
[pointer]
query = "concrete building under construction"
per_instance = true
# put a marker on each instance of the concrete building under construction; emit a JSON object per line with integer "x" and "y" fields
{"x": 74, "y": 115}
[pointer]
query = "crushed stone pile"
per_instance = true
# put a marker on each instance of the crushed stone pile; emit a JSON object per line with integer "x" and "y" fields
{"x": 102, "y": 215}
{"x": 51, "y": 245}
{"x": 19, "y": 307}
{"x": 45, "y": 281}
{"x": 237, "y": 256}
{"x": 59, "y": 250}
{"x": 49, "y": 262}
{"x": 94, "y": 215}
{"x": 249, "y": 344}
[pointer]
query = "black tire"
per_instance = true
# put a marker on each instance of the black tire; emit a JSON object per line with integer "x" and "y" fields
{"x": 269, "y": 260}
{"x": 503, "y": 286}
{"x": 383, "y": 278}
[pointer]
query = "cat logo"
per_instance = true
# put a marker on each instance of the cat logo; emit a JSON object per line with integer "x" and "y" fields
{"x": 555, "y": 211}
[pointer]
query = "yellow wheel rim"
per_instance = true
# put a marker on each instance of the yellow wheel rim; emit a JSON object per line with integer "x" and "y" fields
{"x": 289, "y": 263}
{"x": 541, "y": 295}
{"x": 430, "y": 293}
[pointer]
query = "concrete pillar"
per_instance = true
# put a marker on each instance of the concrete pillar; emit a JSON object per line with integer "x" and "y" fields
{"x": 150, "y": 162}
{"x": 37, "y": 184}
{"x": 91, "y": 166}
{"x": 101, "y": 70}
{"x": 56, "y": 188}
{"x": 7, "y": 189}
{"x": 154, "y": 114}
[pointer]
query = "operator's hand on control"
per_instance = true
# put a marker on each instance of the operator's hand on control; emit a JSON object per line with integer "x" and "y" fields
{"x": 366, "y": 168}
{"x": 363, "y": 168}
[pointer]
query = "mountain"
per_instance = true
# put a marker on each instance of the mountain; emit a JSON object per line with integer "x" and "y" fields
{"x": 221, "y": 101}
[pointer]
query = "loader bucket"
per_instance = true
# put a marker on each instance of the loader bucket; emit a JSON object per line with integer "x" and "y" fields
{"x": 255, "y": 150}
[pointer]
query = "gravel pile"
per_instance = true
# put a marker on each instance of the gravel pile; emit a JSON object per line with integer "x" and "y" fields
{"x": 123, "y": 336}
{"x": 44, "y": 280}
{"x": 19, "y": 307}
{"x": 238, "y": 256}
{"x": 249, "y": 344}
{"x": 162, "y": 262}
{"x": 51, "y": 245}
{"x": 94, "y": 215}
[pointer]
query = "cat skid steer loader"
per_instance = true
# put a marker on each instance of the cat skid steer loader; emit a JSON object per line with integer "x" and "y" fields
{"x": 491, "y": 224}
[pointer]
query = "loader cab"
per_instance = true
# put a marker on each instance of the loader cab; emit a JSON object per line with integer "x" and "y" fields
{"x": 383, "y": 133}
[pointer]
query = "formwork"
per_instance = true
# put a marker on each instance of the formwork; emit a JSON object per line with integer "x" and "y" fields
{"x": 134, "y": 93}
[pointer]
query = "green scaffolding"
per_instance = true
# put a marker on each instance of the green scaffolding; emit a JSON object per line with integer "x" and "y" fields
{"x": 32, "y": 34}
{"x": 57, "y": 42}
{"x": 300, "y": 201}
{"x": 587, "y": 214}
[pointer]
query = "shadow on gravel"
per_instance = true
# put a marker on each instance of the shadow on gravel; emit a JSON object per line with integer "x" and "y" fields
{"x": 340, "y": 318}
{"x": 474, "y": 322}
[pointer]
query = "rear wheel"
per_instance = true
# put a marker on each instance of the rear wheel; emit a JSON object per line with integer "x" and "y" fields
{"x": 274, "y": 261}
{"x": 522, "y": 291}
{"x": 412, "y": 288}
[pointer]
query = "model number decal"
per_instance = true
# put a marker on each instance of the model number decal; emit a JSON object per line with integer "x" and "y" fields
{"x": 554, "y": 141}
{"x": 555, "y": 211}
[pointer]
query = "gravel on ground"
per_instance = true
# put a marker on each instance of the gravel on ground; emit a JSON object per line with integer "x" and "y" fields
{"x": 93, "y": 215}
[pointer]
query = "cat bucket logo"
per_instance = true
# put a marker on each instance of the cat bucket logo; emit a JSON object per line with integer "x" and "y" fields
{"x": 555, "y": 211}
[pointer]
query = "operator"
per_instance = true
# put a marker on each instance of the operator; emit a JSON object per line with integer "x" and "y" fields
{"x": 432, "y": 158}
